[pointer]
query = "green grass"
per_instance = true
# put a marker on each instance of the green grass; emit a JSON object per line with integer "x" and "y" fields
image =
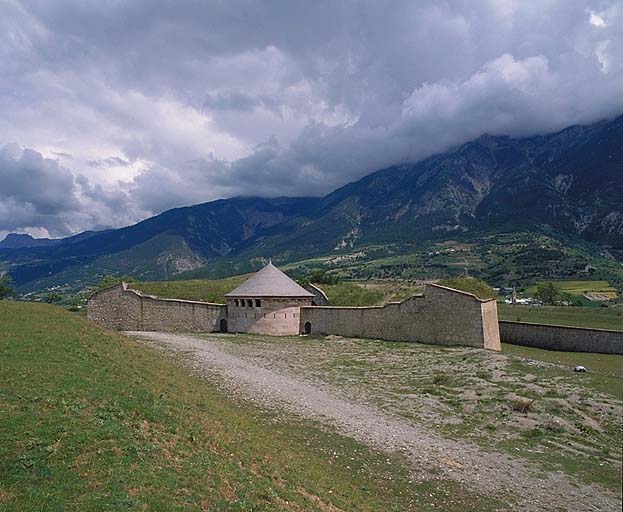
{"x": 91, "y": 420}
{"x": 605, "y": 371}
{"x": 576, "y": 287}
{"x": 367, "y": 294}
{"x": 598, "y": 318}
{"x": 208, "y": 290}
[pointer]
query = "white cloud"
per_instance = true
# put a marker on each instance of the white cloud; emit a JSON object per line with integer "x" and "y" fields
{"x": 595, "y": 19}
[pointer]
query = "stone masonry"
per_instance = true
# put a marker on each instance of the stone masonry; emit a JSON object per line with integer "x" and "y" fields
{"x": 123, "y": 309}
{"x": 440, "y": 316}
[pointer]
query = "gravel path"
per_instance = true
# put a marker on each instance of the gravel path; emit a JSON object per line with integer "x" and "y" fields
{"x": 489, "y": 473}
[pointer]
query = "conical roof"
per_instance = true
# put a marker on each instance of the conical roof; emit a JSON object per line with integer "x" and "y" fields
{"x": 269, "y": 282}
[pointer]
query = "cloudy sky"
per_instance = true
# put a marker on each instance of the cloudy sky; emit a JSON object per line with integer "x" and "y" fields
{"x": 115, "y": 110}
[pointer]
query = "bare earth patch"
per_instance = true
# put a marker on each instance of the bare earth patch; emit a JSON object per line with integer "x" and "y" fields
{"x": 451, "y": 412}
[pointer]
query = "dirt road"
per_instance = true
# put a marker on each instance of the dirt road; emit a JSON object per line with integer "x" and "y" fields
{"x": 427, "y": 452}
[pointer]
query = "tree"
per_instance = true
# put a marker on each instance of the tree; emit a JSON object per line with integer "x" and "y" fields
{"x": 5, "y": 289}
{"x": 52, "y": 298}
{"x": 547, "y": 293}
{"x": 567, "y": 298}
{"x": 111, "y": 280}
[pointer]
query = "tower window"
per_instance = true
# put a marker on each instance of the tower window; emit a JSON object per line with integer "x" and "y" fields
{"x": 258, "y": 303}
{"x": 250, "y": 303}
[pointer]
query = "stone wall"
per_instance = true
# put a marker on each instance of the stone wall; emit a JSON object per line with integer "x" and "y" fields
{"x": 276, "y": 317}
{"x": 123, "y": 309}
{"x": 320, "y": 297}
{"x": 440, "y": 316}
{"x": 558, "y": 337}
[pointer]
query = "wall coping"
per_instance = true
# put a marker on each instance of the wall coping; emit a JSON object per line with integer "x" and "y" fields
{"x": 561, "y": 326}
{"x": 414, "y": 296}
{"x": 458, "y": 291}
{"x": 124, "y": 287}
{"x": 318, "y": 289}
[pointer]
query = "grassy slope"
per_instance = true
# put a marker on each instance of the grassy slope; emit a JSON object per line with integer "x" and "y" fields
{"x": 209, "y": 290}
{"x": 369, "y": 294}
{"x": 94, "y": 421}
{"x": 602, "y": 318}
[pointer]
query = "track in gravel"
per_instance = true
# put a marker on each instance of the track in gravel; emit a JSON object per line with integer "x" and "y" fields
{"x": 426, "y": 451}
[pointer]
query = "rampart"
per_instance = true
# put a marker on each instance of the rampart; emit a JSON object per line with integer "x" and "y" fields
{"x": 123, "y": 309}
{"x": 559, "y": 337}
{"x": 441, "y": 316}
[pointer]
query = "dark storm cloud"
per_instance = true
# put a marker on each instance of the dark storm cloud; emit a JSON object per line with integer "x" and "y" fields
{"x": 159, "y": 104}
{"x": 35, "y": 190}
{"x": 39, "y": 195}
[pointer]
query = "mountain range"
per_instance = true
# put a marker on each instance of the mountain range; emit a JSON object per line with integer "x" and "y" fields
{"x": 567, "y": 186}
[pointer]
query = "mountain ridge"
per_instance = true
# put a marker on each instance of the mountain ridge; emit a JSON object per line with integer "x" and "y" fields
{"x": 569, "y": 183}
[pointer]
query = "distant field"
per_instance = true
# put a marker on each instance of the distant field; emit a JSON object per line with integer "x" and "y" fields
{"x": 579, "y": 287}
{"x": 94, "y": 421}
{"x": 601, "y": 318}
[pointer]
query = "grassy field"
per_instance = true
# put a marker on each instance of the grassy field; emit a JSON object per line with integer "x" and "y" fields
{"x": 91, "y": 420}
{"x": 579, "y": 287}
{"x": 599, "y": 318}
{"x": 571, "y": 421}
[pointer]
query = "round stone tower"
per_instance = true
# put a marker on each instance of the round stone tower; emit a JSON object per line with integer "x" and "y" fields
{"x": 269, "y": 302}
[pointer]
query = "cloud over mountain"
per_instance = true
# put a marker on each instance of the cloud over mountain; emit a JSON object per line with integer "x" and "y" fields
{"x": 136, "y": 107}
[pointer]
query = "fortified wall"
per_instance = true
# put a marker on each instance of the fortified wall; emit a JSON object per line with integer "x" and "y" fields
{"x": 560, "y": 337}
{"x": 441, "y": 315}
{"x": 124, "y": 309}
